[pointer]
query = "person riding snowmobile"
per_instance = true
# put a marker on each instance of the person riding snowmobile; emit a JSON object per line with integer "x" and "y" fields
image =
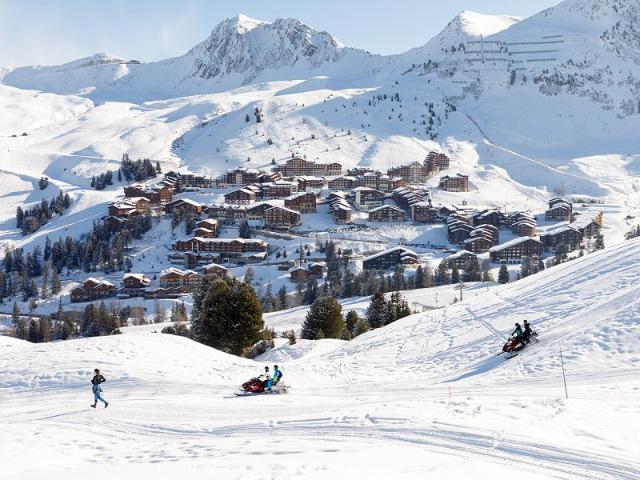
{"x": 527, "y": 331}
{"x": 277, "y": 374}
{"x": 517, "y": 333}
{"x": 267, "y": 382}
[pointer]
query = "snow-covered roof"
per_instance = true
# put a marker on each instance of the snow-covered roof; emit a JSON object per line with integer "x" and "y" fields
{"x": 403, "y": 250}
{"x": 288, "y": 210}
{"x": 377, "y": 209}
{"x": 511, "y": 243}
{"x": 214, "y": 265}
{"x": 460, "y": 253}
{"x": 139, "y": 276}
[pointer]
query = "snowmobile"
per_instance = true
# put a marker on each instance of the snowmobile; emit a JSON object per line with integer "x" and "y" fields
{"x": 255, "y": 386}
{"x": 516, "y": 344}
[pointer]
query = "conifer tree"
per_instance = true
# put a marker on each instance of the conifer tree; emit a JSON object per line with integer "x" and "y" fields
{"x": 377, "y": 311}
{"x": 324, "y": 320}
{"x": 503, "y": 274}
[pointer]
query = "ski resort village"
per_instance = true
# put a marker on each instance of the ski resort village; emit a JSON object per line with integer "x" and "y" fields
{"x": 277, "y": 256}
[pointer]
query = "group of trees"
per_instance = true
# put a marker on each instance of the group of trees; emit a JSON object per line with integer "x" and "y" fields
{"x": 324, "y": 319}
{"x": 44, "y": 329}
{"x": 130, "y": 170}
{"x": 43, "y": 183}
{"x": 32, "y": 219}
{"x": 137, "y": 170}
{"x": 180, "y": 215}
{"x": 633, "y": 233}
{"x": 101, "y": 249}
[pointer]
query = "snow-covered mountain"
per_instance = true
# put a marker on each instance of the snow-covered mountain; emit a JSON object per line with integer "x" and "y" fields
{"x": 547, "y": 103}
{"x": 239, "y": 51}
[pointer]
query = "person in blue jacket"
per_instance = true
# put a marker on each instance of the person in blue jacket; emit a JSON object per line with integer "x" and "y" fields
{"x": 277, "y": 375}
{"x": 97, "y": 389}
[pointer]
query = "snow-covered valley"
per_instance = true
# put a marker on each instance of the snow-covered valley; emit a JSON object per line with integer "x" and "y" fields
{"x": 425, "y": 394}
{"x": 528, "y": 108}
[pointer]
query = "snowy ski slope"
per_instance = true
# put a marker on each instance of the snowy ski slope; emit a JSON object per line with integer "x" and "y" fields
{"x": 426, "y": 395}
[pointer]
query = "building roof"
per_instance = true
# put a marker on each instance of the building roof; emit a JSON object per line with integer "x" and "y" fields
{"x": 403, "y": 251}
{"x": 513, "y": 242}
{"x": 382, "y": 207}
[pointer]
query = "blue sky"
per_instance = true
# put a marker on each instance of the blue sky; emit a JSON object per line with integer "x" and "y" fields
{"x": 55, "y": 31}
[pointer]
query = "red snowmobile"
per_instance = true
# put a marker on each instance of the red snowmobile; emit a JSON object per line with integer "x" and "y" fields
{"x": 515, "y": 344}
{"x": 256, "y": 386}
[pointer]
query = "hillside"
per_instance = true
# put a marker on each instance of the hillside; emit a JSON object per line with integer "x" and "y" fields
{"x": 172, "y": 408}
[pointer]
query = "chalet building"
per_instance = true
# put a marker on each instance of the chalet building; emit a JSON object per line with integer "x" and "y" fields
{"x": 566, "y": 234}
{"x": 256, "y": 211}
{"x": 204, "y": 232}
{"x": 488, "y": 231}
{"x": 407, "y": 197}
{"x": 515, "y": 217}
{"x": 186, "y": 205}
{"x": 524, "y": 228}
{"x": 303, "y": 202}
{"x": 157, "y": 196}
{"x": 215, "y": 269}
{"x": 280, "y": 189}
{"x": 341, "y": 210}
{"x": 454, "y": 183}
{"x": 366, "y": 198}
{"x": 588, "y": 228}
{"x": 341, "y": 183}
{"x": 371, "y": 179}
{"x": 299, "y": 166}
{"x": 242, "y": 196}
{"x": 191, "y": 181}
{"x": 436, "y": 162}
{"x": 488, "y": 217}
{"x": 226, "y": 247}
{"x": 309, "y": 182}
{"x": 185, "y": 280}
{"x": 135, "y": 281}
{"x": 387, "y": 213}
{"x": 93, "y": 289}
{"x": 390, "y": 258}
{"x": 413, "y": 173}
{"x": 123, "y": 209}
{"x": 358, "y": 171}
{"x": 200, "y": 259}
{"x": 461, "y": 258}
{"x": 316, "y": 269}
{"x": 281, "y": 218}
{"x": 424, "y": 212}
{"x": 299, "y": 274}
{"x": 478, "y": 244}
{"x": 226, "y": 213}
{"x": 513, "y": 250}
{"x": 561, "y": 212}
{"x": 395, "y": 182}
{"x": 242, "y": 176}
{"x": 458, "y": 232}
{"x": 209, "y": 224}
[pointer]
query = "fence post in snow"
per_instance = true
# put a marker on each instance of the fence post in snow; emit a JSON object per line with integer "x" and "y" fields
{"x": 564, "y": 378}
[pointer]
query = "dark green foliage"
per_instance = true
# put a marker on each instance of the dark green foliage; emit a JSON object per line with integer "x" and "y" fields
{"x": 472, "y": 272}
{"x": 179, "y": 329}
{"x": 227, "y": 315}
{"x": 377, "y": 311}
{"x": 245, "y": 230}
{"x": 351, "y": 320}
{"x": 324, "y": 320}
{"x": 503, "y": 274}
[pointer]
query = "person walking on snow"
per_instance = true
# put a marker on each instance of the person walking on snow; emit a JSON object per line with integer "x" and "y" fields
{"x": 97, "y": 389}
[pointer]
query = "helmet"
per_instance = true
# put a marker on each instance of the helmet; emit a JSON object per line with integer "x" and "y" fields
{"x": 266, "y": 369}
{"x": 517, "y": 324}
{"x": 275, "y": 366}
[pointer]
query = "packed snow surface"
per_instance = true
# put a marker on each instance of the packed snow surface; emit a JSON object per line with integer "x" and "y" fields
{"x": 426, "y": 394}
